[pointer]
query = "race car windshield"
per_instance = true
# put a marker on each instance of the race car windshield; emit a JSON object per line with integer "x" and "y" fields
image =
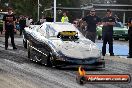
{"x": 68, "y": 36}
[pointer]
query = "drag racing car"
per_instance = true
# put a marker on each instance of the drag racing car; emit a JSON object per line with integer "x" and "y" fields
{"x": 60, "y": 45}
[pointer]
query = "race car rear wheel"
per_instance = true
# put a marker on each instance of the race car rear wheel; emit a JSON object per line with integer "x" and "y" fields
{"x": 47, "y": 62}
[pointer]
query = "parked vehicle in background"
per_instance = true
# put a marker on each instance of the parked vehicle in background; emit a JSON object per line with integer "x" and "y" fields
{"x": 1, "y": 22}
{"x": 120, "y": 31}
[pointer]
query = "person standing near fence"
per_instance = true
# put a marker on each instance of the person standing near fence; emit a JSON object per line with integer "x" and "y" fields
{"x": 64, "y": 18}
{"x": 92, "y": 21}
{"x": 9, "y": 27}
{"x": 130, "y": 37}
{"x": 22, "y": 24}
{"x": 107, "y": 33}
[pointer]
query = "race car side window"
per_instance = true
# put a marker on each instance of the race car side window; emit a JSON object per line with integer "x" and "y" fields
{"x": 47, "y": 32}
{"x": 50, "y": 32}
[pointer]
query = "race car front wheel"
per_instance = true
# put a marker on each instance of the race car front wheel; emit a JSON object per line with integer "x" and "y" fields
{"x": 47, "y": 61}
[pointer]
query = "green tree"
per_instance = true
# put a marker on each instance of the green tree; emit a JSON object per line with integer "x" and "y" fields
{"x": 29, "y": 7}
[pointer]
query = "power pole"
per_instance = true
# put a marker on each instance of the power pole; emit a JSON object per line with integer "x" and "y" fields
{"x": 54, "y": 10}
{"x": 38, "y": 10}
{"x": 124, "y": 18}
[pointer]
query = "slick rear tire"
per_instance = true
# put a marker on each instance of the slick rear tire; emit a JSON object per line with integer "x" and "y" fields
{"x": 47, "y": 62}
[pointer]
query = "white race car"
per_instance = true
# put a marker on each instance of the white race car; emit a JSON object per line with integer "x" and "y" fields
{"x": 61, "y": 44}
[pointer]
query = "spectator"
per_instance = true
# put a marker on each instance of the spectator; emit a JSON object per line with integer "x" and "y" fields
{"x": 22, "y": 23}
{"x": 17, "y": 25}
{"x": 76, "y": 23}
{"x": 31, "y": 21}
{"x": 42, "y": 20}
{"x": 130, "y": 37}
{"x": 9, "y": 27}
{"x": 107, "y": 32}
{"x": 92, "y": 21}
{"x": 27, "y": 21}
{"x": 64, "y": 18}
{"x": 49, "y": 19}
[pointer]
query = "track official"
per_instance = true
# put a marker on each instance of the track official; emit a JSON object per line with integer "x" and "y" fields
{"x": 22, "y": 24}
{"x": 107, "y": 33}
{"x": 130, "y": 37}
{"x": 92, "y": 21}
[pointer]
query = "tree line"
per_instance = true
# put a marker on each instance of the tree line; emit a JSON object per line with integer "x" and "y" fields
{"x": 29, "y": 7}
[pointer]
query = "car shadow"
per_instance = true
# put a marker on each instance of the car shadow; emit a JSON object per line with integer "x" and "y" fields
{"x": 76, "y": 69}
{"x": 68, "y": 68}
